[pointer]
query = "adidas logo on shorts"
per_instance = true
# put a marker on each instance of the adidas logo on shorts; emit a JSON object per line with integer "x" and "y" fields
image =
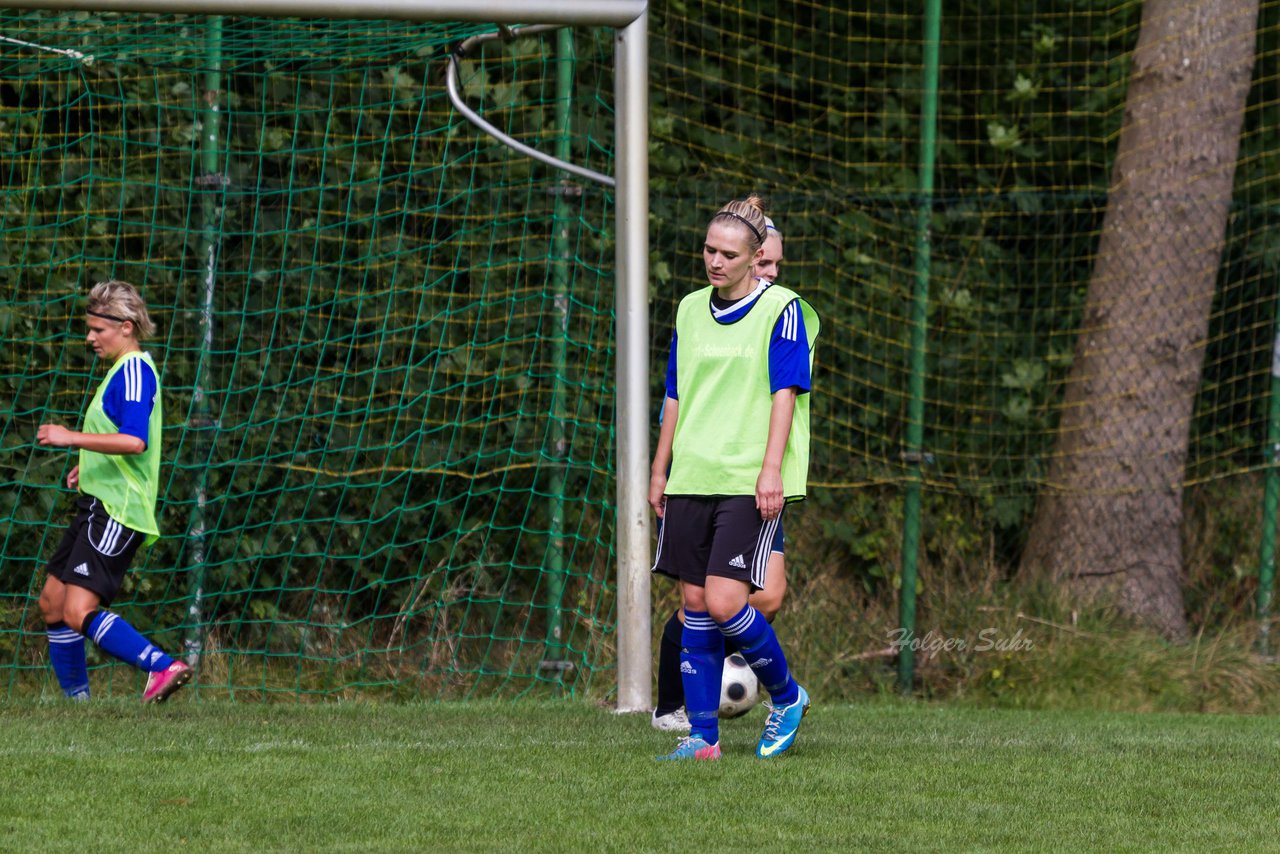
{"x": 738, "y": 562}
{"x": 82, "y": 569}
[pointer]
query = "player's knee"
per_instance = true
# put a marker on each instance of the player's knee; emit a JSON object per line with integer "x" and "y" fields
{"x": 50, "y": 608}
{"x": 722, "y": 613}
{"x": 724, "y": 608}
{"x": 768, "y": 602}
{"x": 694, "y": 599}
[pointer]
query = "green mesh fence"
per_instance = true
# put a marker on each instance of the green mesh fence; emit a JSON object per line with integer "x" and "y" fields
{"x": 400, "y": 425}
{"x": 388, "y": 454}
{"x": 817, "y": 106}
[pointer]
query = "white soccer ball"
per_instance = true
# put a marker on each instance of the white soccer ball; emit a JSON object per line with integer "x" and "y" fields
{"x": 739, "y": 688}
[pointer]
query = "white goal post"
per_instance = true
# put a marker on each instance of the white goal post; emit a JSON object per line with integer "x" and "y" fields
{"x": 631, "y": 72}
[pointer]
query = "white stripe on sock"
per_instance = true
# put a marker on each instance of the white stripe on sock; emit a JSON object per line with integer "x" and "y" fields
{"x": 103, "y": 627}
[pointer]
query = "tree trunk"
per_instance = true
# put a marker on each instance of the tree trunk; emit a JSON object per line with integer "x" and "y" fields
{"x": 1107, "y": 526}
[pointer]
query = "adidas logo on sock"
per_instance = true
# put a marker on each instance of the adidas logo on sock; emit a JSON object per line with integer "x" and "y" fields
{"x": 686, "y": 667}
{"x": 738, "y": 562}
{"x": 82, "y": 569}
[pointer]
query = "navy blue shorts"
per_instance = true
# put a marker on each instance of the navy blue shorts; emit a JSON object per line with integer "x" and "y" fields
{"x": 779, "y": 546}
{"x": 95, "y": 551}
{"x": 719, "y": 536}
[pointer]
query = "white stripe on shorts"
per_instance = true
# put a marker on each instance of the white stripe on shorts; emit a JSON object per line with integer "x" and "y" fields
{"x": 110, "y": 543}
{"x": 764, "y": 547}
{"x": 657, "y": 552}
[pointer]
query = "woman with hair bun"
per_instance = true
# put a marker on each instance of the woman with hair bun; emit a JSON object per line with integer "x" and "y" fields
{"x": 669, "y": 713}
{"x": 735, "y": 439}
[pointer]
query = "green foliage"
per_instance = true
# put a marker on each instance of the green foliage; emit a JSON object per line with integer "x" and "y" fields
{"x": 1030, "y": 106}
{"x": 1020, "y": 192}
{"x": 398, "y": 428}
{"x": 986, "y": 639}
{"x": 383, "y": 363}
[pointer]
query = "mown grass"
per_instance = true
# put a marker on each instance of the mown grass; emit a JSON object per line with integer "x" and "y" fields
{"x": 569, "y": 776}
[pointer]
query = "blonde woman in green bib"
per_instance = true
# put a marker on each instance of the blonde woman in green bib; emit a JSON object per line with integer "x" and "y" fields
{"x": 117, "y": 476}
{"x": 669, "y": 713}
{"x": 735, "y": 439}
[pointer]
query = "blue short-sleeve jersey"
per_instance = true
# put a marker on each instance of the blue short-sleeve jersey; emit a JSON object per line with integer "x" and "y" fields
{"x": 130, "y": 397}
{"x": 788, "y": 347}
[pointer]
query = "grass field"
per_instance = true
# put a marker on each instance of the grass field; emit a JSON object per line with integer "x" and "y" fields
{"x": 548, "y": 776}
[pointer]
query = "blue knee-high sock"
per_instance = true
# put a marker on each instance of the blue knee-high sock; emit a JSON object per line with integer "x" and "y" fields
{"x": 760, "y": 647}
{"x": 701, "y": 668}
{"x": 66, "y": 656}
{"x": 122, "y": 640}
{"x": 731, "y": 646}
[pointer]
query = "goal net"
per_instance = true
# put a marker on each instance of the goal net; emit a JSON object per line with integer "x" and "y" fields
{"x": 385, "y": 344}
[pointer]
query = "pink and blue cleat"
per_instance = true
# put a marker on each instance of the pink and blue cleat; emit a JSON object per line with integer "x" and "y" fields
{"x": 691, "y": 747}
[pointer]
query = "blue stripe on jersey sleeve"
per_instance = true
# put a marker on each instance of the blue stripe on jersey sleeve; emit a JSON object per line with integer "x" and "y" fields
{"x": 130, "y": 397}
{"x": 789, "y": 352}
{"x": 671, "y": 370}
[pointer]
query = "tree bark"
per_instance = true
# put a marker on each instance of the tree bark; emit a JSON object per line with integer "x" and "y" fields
{"x": 1107, "y": 526}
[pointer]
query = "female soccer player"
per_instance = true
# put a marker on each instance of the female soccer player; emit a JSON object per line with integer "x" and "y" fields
{"x": 118, "y": 477}
{"x": 735, "y": 438}
{"x": 669, "y": 713}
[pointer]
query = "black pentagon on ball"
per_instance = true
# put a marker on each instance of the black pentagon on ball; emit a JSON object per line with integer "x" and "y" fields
{"x": 736, "y": 691}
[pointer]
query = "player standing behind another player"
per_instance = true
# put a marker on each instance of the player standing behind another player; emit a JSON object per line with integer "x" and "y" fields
{"x": 118, "y": 476}
{"x": 735, "y": 438}
{"x": 669, "y": 713}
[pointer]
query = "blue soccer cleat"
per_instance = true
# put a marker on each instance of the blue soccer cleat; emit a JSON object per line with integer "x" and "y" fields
{"x": 781, "y": 725}
{"x": 693, "y": 748}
